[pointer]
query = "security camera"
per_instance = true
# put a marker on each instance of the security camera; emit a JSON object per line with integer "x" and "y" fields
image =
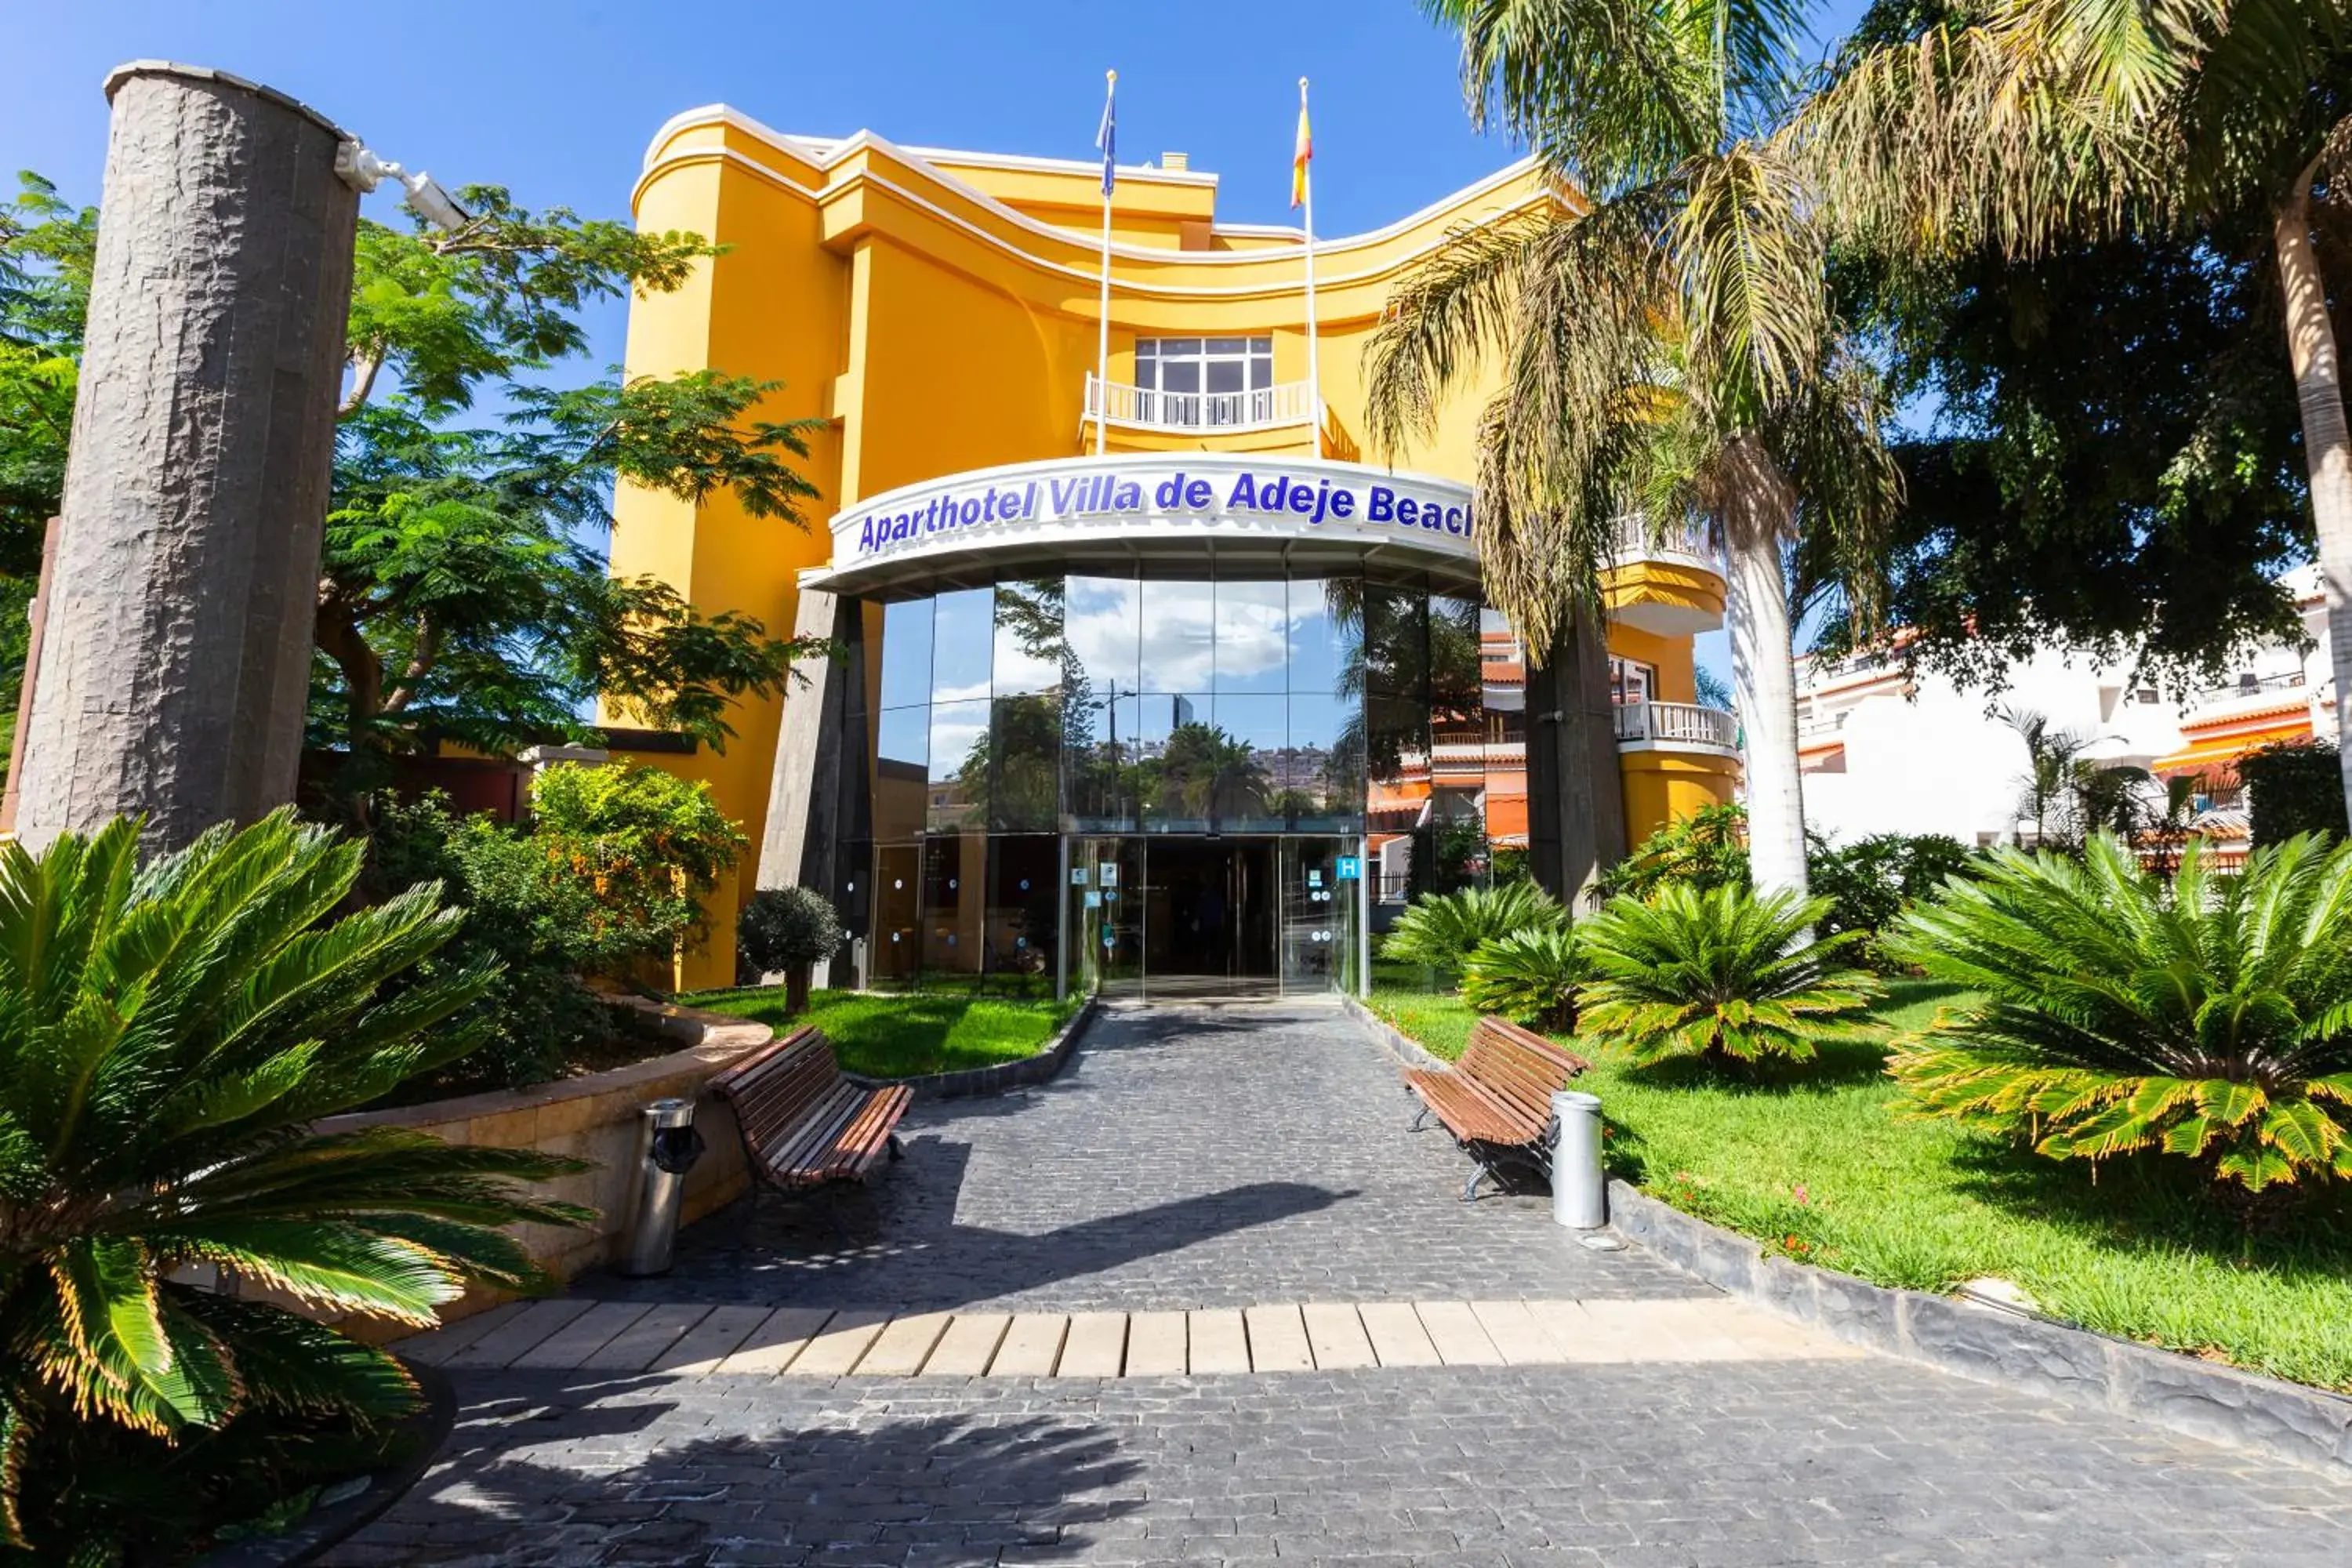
{"x": 363, "y": 171}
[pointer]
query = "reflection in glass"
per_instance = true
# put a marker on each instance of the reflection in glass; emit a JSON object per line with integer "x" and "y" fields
{"x": 1174, "y": 772}
{"x": 901, "y": 773}
{"x": 1252, "y": 636}
{"x": 1103, "y": 623}
{"x": 1396, "y": 641}
{"x": 1325, "y": 764}
{"x": 1327, "y": 641}
{"x": 954, "y": 932}
{"x": 1101, "y": 764}
{"x": 1458, "y": 751}
{"x": 1247, "y": 768}
{"x": 1031, "y": 657}
{"x": 1023, "y": 899}
{"x": 1024, "y": 764}
{"x": 906, "y": 653}
{"x": 1503, "y": 698}
{"x": 959, "y": 766}
{"x": 1179, "y": 632}
{"x": 896, "y": 949}
{"x": 962, "y": 632}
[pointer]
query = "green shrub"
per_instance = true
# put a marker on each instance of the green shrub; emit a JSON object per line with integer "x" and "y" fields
{"x": 167, "y": 1038}
{"x": 2208, "y": 1016}
{"x": 1439, "y": 931}
{"x": 787, "y": 930}
{"x": 649, "y": 845}
{"x": 2293, "y": 786}
{"x": 1725, "y": 973}
{"x": 1529, "y": 976}
{"x": 1708, "y": 848}
{"x": 1870, "y": 880}
{"x": 531, "y": 917}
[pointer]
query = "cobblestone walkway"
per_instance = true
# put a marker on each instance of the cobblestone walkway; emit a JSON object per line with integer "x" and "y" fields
{"x": 1190, "y": 1157}
{"x": 1212, "y": 1159}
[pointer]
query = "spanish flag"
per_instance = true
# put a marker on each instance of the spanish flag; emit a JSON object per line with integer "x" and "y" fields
{"x": 1298, "y": 160}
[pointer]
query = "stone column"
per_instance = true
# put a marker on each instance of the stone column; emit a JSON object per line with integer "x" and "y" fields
{"x": 175, "y": 660}
{"x": 814, "y": 806}
{"x": 1576, "y": 794}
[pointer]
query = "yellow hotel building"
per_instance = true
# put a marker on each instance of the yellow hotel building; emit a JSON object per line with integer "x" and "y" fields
{"x": 1157, "y": 683}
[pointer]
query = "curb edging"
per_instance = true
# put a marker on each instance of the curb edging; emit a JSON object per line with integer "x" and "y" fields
{"x": 1409, "y": 1051}
{"x": 969, "y": 1082}
{"x": 2200, "y": 1399}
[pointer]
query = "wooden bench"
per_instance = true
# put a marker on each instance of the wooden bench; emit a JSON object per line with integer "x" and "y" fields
{"x": 1497, "y": 1100}
{"x": 804, "y": 1123}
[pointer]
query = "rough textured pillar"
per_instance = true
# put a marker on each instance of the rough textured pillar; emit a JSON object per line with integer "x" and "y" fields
{"x": 1576, "y": 792}
{"x": 175, "y": 661}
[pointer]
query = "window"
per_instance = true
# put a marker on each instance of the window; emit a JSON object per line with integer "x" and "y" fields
{"x": 1204, "y": 381}
{"x": 1631, "y": 681}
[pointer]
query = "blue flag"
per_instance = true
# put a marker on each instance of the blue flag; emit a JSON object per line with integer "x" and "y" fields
{"x": 1107, "y": 138}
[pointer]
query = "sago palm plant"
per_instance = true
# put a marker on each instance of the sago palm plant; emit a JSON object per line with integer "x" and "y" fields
{"x": 2210, "y": 1016}
{"x": 1529, "y": 976}
{"x": 1442, "y": 930}
{"x": 1727, "y": 973}
{"x": 167, "y": 1036}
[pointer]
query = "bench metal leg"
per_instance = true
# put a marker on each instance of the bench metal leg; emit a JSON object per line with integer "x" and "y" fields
{"x": 898, "y": 1150}
{"x": 1470, "y": 1187}
{"x": 1419, "y": 1119}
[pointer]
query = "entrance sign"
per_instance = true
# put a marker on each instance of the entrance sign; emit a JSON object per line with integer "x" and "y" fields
{"x": 1204, "y": 497}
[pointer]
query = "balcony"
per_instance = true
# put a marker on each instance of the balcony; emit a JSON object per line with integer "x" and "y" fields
{"x": 1676, "y": 727}
{"x": 1669, "y": 584}
{"x": 1193, "y": 413}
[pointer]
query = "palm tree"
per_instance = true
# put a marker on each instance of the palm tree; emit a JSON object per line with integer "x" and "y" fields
{"x": 1664, "y": 336}
{"x": 2026, "y": 124}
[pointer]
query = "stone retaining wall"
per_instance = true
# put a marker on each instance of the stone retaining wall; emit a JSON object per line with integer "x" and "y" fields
{"x": 595, "y": 1118}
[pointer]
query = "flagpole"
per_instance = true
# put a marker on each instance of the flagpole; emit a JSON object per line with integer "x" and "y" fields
{"x": 1102, "y": 328}
{"x": 1314, "y": 365}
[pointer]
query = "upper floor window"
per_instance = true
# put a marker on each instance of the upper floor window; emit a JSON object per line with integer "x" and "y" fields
{"x": 1193, "y": 365}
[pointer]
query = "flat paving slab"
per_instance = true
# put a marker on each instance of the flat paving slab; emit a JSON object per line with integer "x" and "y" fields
{"x": 1190, "y": 1156}
{"x": 1732, "y": 1464}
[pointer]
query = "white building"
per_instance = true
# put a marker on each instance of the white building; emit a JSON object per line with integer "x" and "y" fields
{"x": 1886, "y": 751}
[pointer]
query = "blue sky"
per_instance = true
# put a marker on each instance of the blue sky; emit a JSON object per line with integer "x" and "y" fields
{"x": 556, "y": 99}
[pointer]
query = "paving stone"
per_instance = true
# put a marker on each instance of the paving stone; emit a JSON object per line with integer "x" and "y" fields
{"x": 1096, "y": 1345}
{"x": 435, "y": 1347}
{"x": 969, "y": 1344}
{"x": 1277, "y": 1339}
{"x": 1157, "y": 1345}
{"x": 1453, "y": 1329}
{"x": 773, "y": 1345}
{"x": 904, "y": 1345}
{"x": 512, "y": 1338}
{"x": 635, "y": 1347}
{"x": 1032, "y": 1344}
{"x": 712, "y": 1339}
{"x": 835, "y": 1349}
{"x": 1397, "y": 1336}
{"x": 1336, "y": 1334}
{"x": 1517, "y": 1336}
{"x": 1219, "y": 1342}
{"x": 584, "y": 1335}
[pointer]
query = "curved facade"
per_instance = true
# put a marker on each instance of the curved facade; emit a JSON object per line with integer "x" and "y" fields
{"x": 1146, "y": 673}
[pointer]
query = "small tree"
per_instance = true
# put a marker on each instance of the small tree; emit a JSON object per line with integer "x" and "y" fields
{"x": 787, "y": 930}
{"x": 652, "y": 848}
{"x": 2293, "y": 786}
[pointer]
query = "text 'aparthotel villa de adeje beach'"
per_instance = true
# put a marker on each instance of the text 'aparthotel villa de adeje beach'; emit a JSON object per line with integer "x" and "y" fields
{"x": 1153, "y": 681}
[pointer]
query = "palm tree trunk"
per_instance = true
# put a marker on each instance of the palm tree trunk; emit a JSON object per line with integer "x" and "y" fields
{"x": 2326, "y": 445}
{"x": 1756, "y": 516}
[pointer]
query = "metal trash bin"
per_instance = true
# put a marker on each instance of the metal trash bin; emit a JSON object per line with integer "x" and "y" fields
{"x": 1579, "y": 1196}
{"x": 672, "y": 1147}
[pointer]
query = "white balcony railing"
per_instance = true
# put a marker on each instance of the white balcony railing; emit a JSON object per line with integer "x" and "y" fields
{"x": 1264, "y": 408}
{"x": 1677, "y": 724}
{"x": 1685, "y": 542}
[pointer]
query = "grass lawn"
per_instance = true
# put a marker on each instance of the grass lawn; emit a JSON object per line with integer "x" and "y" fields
{"x": 1819, "y": 1164}
{"x": 905, "y": 1033}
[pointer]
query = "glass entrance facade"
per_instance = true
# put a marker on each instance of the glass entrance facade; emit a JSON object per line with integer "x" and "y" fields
{"x": 1151, "y": 784}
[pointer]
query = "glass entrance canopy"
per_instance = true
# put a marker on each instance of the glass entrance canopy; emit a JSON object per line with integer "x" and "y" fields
{"x": 1013, "y": 737}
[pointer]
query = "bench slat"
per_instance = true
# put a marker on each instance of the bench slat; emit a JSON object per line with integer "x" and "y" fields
{"x": 802, "y": 1121}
